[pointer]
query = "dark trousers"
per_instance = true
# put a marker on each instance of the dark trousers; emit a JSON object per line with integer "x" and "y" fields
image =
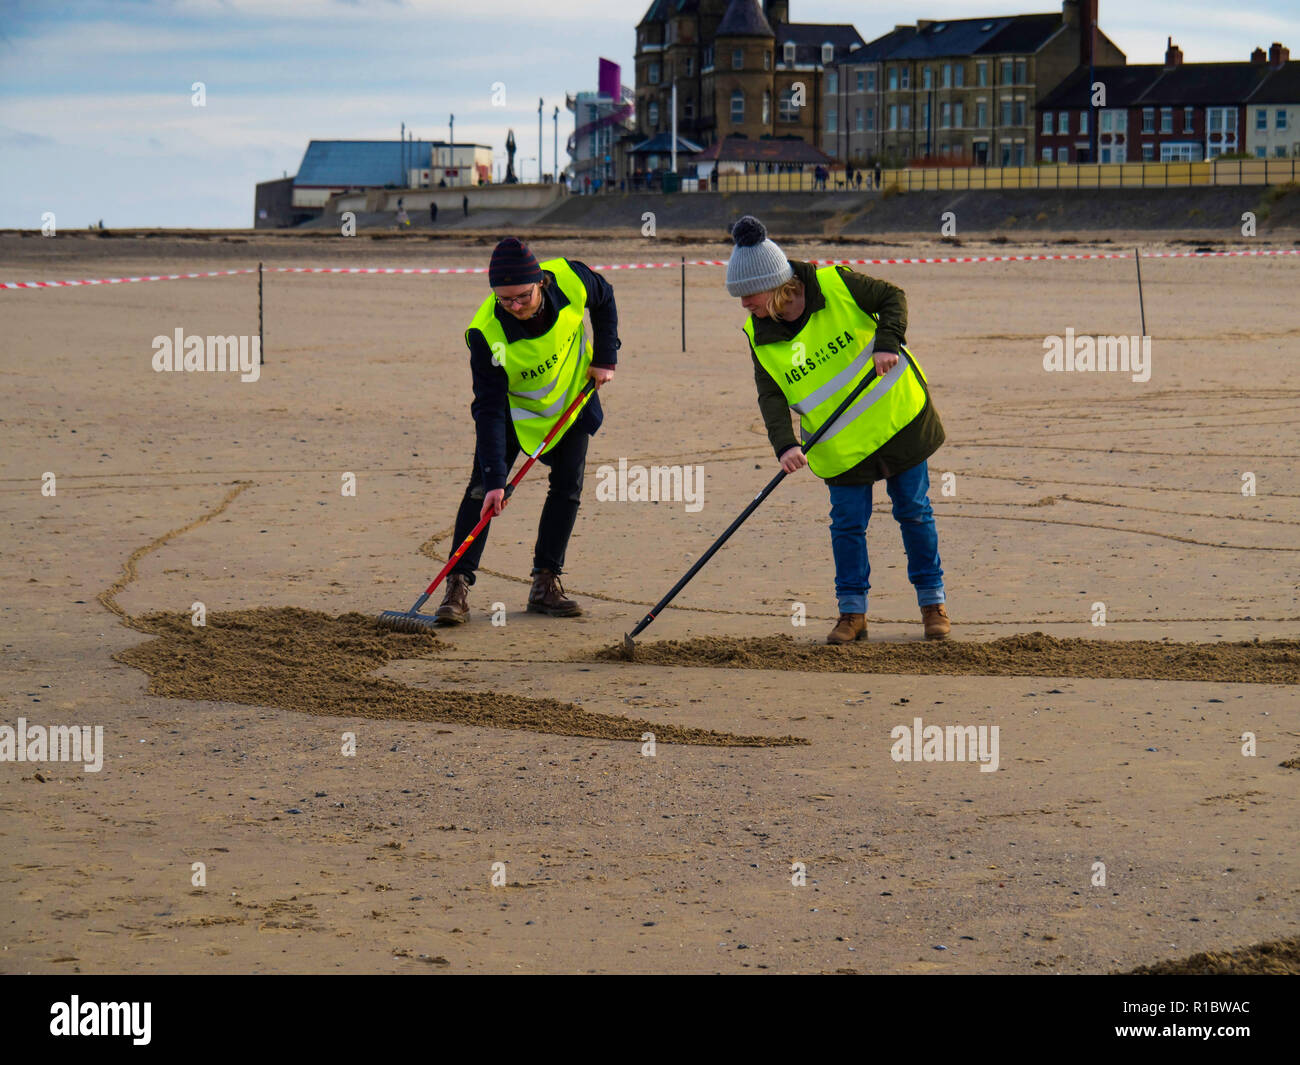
{"x": 567, "y": 461}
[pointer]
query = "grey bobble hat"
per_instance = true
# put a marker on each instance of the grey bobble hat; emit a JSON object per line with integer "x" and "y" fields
{"x": 756, "y": 263}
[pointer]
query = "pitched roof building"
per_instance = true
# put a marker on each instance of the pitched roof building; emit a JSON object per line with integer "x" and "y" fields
{"x": 741, "y": 68}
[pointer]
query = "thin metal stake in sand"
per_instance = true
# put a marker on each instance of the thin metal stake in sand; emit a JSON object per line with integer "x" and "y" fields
{"x": 629, "y": 645}
{"x": 683, "y": 293}
{"x": 1137, "y": 256}
{"x": 261, "y": 340}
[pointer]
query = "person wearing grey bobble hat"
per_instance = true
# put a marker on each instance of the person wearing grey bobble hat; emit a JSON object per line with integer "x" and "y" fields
{"x": 814, "y": 334}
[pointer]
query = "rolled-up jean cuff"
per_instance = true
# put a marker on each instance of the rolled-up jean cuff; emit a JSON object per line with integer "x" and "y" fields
{"x": 930, "y": 596}
{"x": 853, "y": 604}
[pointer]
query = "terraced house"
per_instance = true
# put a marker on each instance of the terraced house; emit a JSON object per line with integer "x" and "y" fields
{"x": 1175, "y": 111}
{"x": 966, "y": 91}
{"x": 740, "y": 67}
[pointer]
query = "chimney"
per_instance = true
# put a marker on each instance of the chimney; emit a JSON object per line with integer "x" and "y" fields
{"x": 1070, "y": 12}
{"x": 1087, "y": 31}
{"x": 1258, "y": 56}
{"x": 1173, "y": 55}
{"x": 1277, "y": 55}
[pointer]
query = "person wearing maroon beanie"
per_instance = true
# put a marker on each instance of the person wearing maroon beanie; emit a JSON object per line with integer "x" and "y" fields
{"x": 530, "y": 354}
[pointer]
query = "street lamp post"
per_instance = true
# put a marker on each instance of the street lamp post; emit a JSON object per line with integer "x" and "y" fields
{"x": 555, "y": 155}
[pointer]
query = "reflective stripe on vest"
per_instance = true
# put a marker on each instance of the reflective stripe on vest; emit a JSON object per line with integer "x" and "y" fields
{"x": 544, "y": 374}
{"x": 818, "y": 368}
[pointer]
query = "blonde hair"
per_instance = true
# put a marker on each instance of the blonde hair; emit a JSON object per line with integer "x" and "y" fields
{"x": 780, "y": 298}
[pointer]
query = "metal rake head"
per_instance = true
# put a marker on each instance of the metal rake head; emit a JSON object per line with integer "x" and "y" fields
{"x": 399, "y": 621}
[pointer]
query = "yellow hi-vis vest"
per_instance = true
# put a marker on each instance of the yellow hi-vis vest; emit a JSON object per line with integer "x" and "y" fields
{"x": 822, "y": 364}
{"x": 547, "y": 373}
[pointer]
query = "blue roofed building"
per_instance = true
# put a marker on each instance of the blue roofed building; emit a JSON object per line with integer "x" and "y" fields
{"x": 329, "y": 167}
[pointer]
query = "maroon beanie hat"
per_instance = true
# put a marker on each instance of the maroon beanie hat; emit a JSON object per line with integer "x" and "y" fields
{"x": 513, "y": 263}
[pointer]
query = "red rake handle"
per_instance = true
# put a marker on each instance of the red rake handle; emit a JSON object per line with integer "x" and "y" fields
{"x": 578, "y": 401}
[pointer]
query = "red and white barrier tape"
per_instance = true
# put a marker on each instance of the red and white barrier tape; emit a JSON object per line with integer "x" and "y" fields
{"x": 5, "y": 285}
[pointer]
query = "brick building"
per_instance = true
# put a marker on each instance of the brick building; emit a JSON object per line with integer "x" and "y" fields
{"x": 1170, "y": 112}
{"x": 740, "y": 67}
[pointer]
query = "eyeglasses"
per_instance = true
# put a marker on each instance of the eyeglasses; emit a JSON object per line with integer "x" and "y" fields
{"x": 517, "y": 301}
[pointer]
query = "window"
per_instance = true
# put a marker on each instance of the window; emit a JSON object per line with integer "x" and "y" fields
{"x": 767, "y": 59}
{"x": 893, "y": 116}
{"x": 828, "y": 53}
{"x": 788, "y": 52}
{"x": 1048, "y": 127}
{"x": 1166, "y": 120}
{"x": 832, "y": 119}
{"x": 1007, "y": 72}
{"x": 1006, "y": 154}
{"x": 1188, "y": 112}
{"x": 1148, "y": 152}
{"x": 871, "y": 81}
{"x": 1020, "y": 155}
{"x": 786, "y": 109}
{"x": 871, "y": 119}
{"x": 1148, "y": 120}
{"x": 981, "y": 114}
{"x": 893, "y": 79}
{"x": 1063, "y": 122}
{"x": 708, "y": 58}
{"x": 690, "y": 66}
{"x": 1261, "y": 118}
{"x": 688, "y": 110}
{"x": 1180, "y": 153}
{"x": 1279, "y": 152}
{"x": 862, "y": 80}
{"x": 767, "y": 107}
{"x": 925, "y": 115}
{"x": 982, "y": 72}
{"x": 959, "y": 75}
{"x": 738, "y": 59}
{"x": 947, "y": 75}
{"x": 1083, "y": 121}
{"x": 945, "y": 115}
{"x": 1063, "y": 156}
{"x": 654, "y": 116}
{"x": 653, "y": 77}
{"x": 1021, "y": 67}
{"x": 1019, "y": 113}
{"x": 905, "y": 78}
{"x": 737, "y": 107}
{"x": 905, "y": 116}
{"x": 1006, "y": 112}
{"x": 857, "y": 119}
{"x": 1261, "y": 153}
{"x": 1281, "y": 119}
{"x": 926, "y": 81}
{"x": 1115, "y": 120}
{"x": 1047, "y": 155}
{"x": 958, "y": 118}
{"x": 832, "y": 82}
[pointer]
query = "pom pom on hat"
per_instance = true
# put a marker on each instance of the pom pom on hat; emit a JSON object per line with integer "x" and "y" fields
{"x": 748, "y": 231}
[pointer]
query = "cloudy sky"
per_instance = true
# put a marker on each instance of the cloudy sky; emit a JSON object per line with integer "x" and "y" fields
{"x": 96, "y": 119}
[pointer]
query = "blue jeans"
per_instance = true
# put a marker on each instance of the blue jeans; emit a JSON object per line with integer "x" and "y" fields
{"x": 850, "y": 512}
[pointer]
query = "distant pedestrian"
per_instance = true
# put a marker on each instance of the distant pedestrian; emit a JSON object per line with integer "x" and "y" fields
{"x": 403, "y": 219}
{"x": 464, "y": 204}
{"x": 433, "y": 212}
{"x": 879, "y": 173}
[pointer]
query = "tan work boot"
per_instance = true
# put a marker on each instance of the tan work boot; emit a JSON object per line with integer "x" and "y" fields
{"x": 455, "y": 604}
{"x": 937, "y": 625}
{"x": 850, "y": 627}
{"x": 547, "y": 597}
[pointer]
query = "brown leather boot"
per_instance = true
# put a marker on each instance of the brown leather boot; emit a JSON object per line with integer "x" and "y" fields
{"x": 937, "y": 625}
{"x": 850, "y": 627}
{"x": 455, "y": 604}
{"x": 547, "y": 597}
